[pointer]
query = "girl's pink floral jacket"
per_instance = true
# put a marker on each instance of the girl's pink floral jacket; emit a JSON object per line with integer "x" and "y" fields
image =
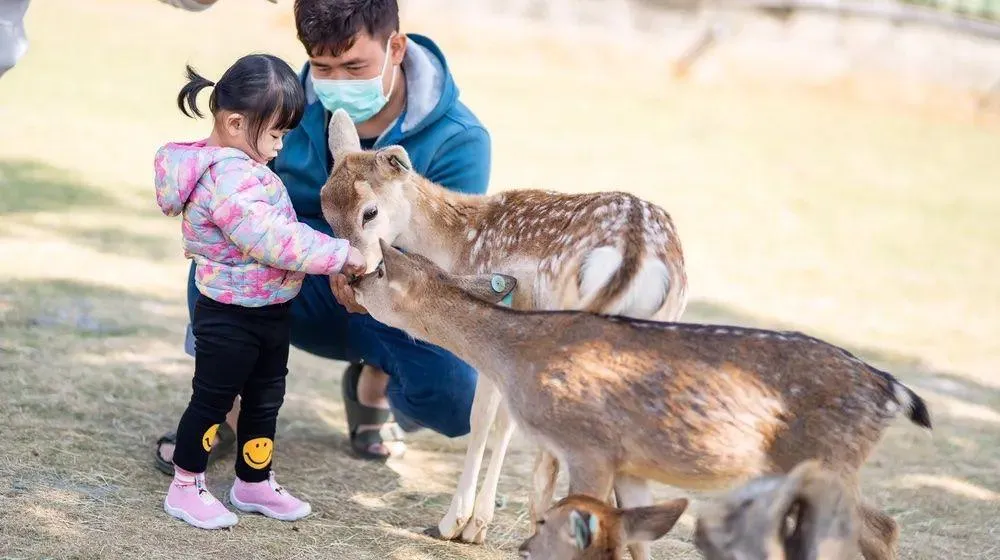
{"x": 239, "y": 225}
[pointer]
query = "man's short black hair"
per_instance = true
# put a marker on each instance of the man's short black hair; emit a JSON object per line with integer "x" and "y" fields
{"x": 330, "y": 26}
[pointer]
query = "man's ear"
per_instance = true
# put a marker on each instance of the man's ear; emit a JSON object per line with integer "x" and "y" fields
{"x": 397, "y": 49}
{"x": 644, "y": 524}
{"x": 393, "y": 161}
{"x": 491, "y": 288}
{"x": 583, "y": 527}
{"x": 342, "y": 135}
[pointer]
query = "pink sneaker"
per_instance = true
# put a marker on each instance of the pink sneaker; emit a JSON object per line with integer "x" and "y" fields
{"x": 268, "y": 498}
{"x": 189, "y": 500}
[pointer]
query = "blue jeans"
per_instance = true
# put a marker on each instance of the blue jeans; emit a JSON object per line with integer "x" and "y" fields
{"x": 426, "y": 383}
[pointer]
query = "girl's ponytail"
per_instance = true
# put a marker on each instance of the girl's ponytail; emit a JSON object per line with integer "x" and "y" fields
{"x": 189, "y": 93}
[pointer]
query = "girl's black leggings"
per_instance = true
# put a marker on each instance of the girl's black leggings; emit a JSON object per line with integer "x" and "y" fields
{"x": 238, "y": 351}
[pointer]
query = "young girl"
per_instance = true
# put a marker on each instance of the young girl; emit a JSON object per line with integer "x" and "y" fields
{"x": 250, "y": 255}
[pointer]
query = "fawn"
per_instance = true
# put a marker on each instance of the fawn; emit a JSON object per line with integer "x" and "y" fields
{"x": 621, "y": 401}
{"x": 608, "y": 252}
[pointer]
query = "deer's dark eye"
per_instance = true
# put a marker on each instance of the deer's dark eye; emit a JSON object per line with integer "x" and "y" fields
{"x": 369, "y": 215}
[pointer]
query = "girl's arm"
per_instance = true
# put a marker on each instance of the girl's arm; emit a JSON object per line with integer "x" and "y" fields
{"x": 243, "y": 211}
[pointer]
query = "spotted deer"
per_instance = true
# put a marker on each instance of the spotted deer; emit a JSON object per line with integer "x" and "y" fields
{"x": 622, "y": 401}
{"x": 608, "y": 252}
{"x": 806, "y": 515}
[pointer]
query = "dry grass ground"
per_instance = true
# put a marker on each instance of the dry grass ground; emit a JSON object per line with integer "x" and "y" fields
{"x": 871, "y": 227}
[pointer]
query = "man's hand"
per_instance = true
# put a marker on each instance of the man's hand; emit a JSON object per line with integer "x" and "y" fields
{"x": 345, "y": 294}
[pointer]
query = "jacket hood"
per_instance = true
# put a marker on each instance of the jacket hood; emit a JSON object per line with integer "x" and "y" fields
{"x": 179, "y": 166}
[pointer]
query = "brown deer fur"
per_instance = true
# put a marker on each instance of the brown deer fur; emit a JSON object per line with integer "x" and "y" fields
{"x": 607, "y": 252}
{"x": 693, "y": 406}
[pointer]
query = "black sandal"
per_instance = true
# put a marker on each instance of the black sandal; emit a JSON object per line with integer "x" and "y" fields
{"x": 226, "y": 443}
{"x": 359, "y": 414}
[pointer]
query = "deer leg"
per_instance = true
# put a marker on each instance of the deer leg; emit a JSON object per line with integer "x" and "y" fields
{"x": 484, "y": 408}
{"x": 634, "y": 492}
{"x": 879, "y": 534}
{"x": 503, "y": 429}
{"x": 590, "y": 476}
{"x": 543, "y": 484}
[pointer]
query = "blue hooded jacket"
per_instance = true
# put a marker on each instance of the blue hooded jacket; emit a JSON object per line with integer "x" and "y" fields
{"x": 447, "y": 144}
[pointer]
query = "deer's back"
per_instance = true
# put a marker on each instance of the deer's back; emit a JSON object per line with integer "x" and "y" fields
{"x": 715, "y": 401}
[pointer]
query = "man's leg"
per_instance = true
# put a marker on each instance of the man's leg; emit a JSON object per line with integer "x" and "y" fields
{"x": 427, "y": 384}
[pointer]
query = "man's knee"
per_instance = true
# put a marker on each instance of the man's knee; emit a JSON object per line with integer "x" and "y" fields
{"x": 436, "y": 394}
{"x": 446, "y": 414}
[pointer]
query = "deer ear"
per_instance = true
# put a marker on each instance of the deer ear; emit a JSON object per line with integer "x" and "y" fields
{"x": 342, "y": 135}
{"x": 649, "y": 523}
{"x": 825, "y": 521}
{"x": 391, "y": 256}
{"x": 491, "y": 288}
{"x": 583, "y": 527}
{"x": 394, "y": 159}
{"x": 791, "y": 488}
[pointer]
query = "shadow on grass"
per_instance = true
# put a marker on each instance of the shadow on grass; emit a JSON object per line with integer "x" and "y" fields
{"x": 124, "y": 243}
{"x": 33, "y": 186}
{"x": 41, "y": 308}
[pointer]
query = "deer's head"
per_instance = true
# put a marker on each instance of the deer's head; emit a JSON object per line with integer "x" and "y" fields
{"x": 583, "y": 528}
{"x": 406, "y": 286}
{"x": 806, "y": 514}
{"x": 363, "y": 199}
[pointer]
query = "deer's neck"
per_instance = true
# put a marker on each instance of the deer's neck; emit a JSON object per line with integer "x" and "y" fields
{"x": 439, "y": 222}
{"x": 485, "y": 336}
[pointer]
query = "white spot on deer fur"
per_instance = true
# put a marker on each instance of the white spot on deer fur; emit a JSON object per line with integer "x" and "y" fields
{"x": 471, "y": 235}
{"x": 721, "y": 331}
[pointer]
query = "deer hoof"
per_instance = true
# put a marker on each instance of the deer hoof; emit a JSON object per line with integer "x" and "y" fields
{"x": 451, "y": 530}
{"x": 475, "y": 531}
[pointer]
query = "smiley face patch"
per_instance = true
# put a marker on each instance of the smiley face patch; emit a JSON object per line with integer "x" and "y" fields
{"x": 257, "y": 452}
{"x": 209, "y": 438}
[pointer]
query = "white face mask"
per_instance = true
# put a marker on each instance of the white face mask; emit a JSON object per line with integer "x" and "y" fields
{"x": 362, "y": 99}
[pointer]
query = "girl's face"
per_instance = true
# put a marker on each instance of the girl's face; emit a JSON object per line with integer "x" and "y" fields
{"x": 234, "y": 133}
{"x": 269, "y": 143}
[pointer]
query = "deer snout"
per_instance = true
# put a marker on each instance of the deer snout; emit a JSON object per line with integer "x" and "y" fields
{"x": 523, "y": 551}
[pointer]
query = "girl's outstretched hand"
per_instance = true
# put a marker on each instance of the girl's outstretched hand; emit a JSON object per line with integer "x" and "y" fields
{"x": 355, "y": 263}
